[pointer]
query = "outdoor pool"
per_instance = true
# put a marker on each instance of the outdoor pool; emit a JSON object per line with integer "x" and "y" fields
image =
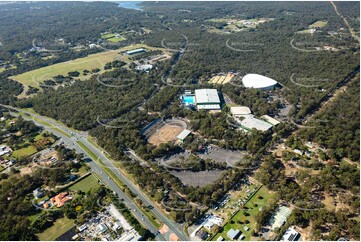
{"x": 189, "y": 100}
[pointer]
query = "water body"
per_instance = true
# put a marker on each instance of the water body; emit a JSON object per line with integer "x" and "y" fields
{"x": 131, "y": 5}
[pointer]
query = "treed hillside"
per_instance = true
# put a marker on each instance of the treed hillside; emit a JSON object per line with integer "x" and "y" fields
{"x": 9, "y": 89}
{"x": 340, "y": 129}
{"x": 272, "y": 53}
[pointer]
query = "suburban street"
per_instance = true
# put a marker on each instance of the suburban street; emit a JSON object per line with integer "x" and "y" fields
{"x": 71, "y": 137}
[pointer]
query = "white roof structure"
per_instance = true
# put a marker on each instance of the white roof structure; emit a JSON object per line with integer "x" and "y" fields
{"x": 280, "y": 217}
{"x": 212, "y": 220}
{"x": 220, "y": 238}
{"x": 82, "y": 228}
{"x": 4, "y": 150}
{"x": 183, "y": 134}
{"x": 135, "y": 51}
{"x": 270, "y": 120}
{"x": 240, "y": 111}
{"x": 232, "y": 234}
{"x": 290, "y": 235}
{"x": 207, "y": 96}
{"x": 251, "y": 122}
{"x": 209, "y": 106}
{"x": 130, "y": 236}
{"x": 102, "y": 227}
{"x": 144, "y": 67}
{"x": 117, "y": 225}
{"x": 258, "y": 81}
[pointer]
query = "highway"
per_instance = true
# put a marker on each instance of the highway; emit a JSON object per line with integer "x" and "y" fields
{"x": 71, "y": 142}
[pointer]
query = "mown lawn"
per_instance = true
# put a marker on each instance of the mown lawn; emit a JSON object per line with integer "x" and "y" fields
{"x": 238, "y": 221}
{"x": 115, "y": 39}
{"x": 24, "y": 152}
{"x": 318, "y": 24}
{"x": 35, "y": 77}
{"x": 85, "y": 185}
{"x": 107, "y": 36}
{"x": 60, "y": 227}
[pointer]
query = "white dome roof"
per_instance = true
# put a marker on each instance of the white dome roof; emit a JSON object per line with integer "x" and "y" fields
{"x": 257, "y": 81}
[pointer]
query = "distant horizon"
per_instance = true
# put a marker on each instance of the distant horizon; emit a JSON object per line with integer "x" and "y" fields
{"x": 129, "y": 4}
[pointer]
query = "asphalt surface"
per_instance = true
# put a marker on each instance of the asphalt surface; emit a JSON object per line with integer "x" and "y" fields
{"x": 72, "y": 143}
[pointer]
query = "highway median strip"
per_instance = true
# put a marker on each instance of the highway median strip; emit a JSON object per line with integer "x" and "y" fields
{"x": 120, "y": 184}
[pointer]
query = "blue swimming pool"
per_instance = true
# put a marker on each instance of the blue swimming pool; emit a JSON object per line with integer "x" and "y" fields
{"x": 188, "y": 100}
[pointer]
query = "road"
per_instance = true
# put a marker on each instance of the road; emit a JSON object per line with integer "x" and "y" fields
{"x": 227, "y": 100}
{"x": 353, "y": 33}
{"x": 72, "y": 143}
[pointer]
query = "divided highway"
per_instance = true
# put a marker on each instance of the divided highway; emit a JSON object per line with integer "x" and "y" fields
{"x": 71, "y": 138}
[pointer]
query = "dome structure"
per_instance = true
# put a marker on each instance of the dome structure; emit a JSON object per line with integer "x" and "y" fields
{"x": 258, "y": 82}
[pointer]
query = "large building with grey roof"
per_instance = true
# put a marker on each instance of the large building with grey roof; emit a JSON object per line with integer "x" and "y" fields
{"x": 250, "y": 122}
{"x": 207, "y": 99}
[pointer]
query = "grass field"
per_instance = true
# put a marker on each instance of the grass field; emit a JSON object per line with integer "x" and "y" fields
{"x": 116, "y": 39}
{"x": 253, "y": 206}
{"x": 24, "y": 152}
{"x": 112, "y": 38}
{"x": 35, "y": 77}
{"x": 60, "y": 227}
{"x": 318, "y": 24}
{"x": 108, "y": 36}
{"x": 85, "y": 185}
{"x": 41, "y": 136}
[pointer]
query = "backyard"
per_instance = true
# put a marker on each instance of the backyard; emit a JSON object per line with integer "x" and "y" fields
{"x": 60, "y": 226}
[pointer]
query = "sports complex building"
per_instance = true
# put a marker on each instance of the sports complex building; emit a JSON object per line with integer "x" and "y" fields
{"x": 206, "y": 99}
{"x": 258, "y": 82}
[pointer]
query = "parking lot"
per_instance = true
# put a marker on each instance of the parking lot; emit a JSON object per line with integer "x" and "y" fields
{"x": 196, "y": 179}
{"x": 218, "y": 154}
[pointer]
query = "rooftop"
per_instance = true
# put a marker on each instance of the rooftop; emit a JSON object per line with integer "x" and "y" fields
{"x": 280, "y": 217}
{"x": 207, "y": 96}
{"x": 270, "y": 120}
{"x": 183, "y": 134}
{"x": 240, "y": 110}
{"x": 144, "y": 67}
{"x": 209, "y": 106}
{"x": 232, "y": 234}
{"x": 129, "y": 52}
{"x": 252, "y": 122}
{"x": 290, "y": 235}
{"x": 257, "y": 81}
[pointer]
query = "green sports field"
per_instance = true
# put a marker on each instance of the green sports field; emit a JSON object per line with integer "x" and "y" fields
{"x": 35, "y": 77}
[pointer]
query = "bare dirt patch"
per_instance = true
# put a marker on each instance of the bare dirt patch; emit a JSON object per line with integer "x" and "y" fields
{"x": 166, "y": 133}
{"x": 26, "y": 170}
